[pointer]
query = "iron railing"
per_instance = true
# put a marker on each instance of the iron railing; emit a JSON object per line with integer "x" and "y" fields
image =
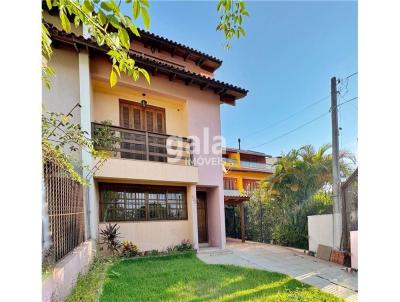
{"x": 250, "y": 164}
{"x": 255, "y": 165}
{"x": 64, "y": 198}
{"x": 150, "y": 146}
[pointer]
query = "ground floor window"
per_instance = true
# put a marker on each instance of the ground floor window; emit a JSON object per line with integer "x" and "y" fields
{"x": 123, "y": 202}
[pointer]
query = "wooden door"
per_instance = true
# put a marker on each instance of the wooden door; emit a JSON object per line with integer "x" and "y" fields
{"x": 134, "y": 116}
{"x": 202, "y": 216}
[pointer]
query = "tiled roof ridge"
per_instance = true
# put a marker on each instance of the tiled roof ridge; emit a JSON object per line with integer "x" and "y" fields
{"x": 54, "y": 30}
{"x": 208, "y": 56}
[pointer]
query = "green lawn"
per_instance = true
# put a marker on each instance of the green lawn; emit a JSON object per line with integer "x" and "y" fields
{"x": 185, "y": 278}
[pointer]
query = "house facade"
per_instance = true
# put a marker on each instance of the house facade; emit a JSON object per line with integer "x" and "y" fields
{"x": 164, "y": 180}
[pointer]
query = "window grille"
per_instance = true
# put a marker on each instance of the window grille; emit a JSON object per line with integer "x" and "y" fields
{"x": 64, "y": 198}
{"x": 119, "y": 202}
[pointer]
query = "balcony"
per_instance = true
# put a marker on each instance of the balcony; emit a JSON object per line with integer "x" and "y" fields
{"x": 145, "y": 156}
{"x": 264, "y": 167}
{"x": 144, "y": 145}
{"x": 255, "y": 165}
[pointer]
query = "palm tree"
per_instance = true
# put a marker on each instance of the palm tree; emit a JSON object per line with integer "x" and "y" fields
{"x": 299, "y": 176}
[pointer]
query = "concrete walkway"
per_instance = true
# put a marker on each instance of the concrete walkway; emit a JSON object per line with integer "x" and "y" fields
{"x": 325, "y": 275}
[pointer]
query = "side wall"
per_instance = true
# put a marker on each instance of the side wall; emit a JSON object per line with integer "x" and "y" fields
{"x": 320, "y": 231}
{"x": 64, "y": 91}
{"x": 59, "y": 284}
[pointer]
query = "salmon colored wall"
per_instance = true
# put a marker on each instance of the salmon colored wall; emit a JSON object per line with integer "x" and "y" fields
{"x": 106, "y": 106}
{"x": 159, "y": 235}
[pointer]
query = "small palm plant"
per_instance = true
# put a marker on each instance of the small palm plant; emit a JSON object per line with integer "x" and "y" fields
{"x": 110, "y": 236}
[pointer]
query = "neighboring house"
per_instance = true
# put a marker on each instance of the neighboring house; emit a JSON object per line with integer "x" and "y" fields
{"x": 157, "y": 198}
{"x": 243, "y": 170}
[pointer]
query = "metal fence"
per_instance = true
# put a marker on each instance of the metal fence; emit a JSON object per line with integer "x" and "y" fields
{"x": 256, "y": 220}
{"x": 64, "y": 199}
{"x": 349, "y": 192}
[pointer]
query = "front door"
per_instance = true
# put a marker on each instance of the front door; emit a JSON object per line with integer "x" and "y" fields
{"x": 202, "y": 216}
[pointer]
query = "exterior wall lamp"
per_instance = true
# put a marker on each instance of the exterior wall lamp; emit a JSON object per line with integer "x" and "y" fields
{"x": 144, "y": 102}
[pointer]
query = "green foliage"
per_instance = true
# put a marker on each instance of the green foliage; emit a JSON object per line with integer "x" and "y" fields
{"x": 299, "y": 187}
{"x": 185, "y": 245}
{"x": 153, "y": 253}
{"x": 110, "y": 236}
{"x": 104, "y": 138}
{"x": 47, "y": 51}
{"x": 61, "y": 138}
{"x": 88, "y": 287}
{"x": 128, "y": 249}
{"x": 232, "y": 13}
{"x": 108, "y": 26}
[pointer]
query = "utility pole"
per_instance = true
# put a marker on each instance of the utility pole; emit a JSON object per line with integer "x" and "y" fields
{"x": 337, "y": 203}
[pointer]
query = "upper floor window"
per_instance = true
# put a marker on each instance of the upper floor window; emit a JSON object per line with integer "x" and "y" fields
{"x": 230, "y": 183}
{"x": 147, "y": 118}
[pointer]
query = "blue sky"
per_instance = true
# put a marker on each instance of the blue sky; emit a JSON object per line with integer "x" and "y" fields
{"x": 286, "y": 60}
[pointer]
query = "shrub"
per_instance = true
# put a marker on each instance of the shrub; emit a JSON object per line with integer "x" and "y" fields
{"x": 128, "y": 249}
{"x": 170, "y": 249}
{"x": 185, "y": 245}
{"x": 154, "y": 253}
{"x": 110, "y": 236}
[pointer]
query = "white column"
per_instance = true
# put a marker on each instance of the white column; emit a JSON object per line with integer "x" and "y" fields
{"x": 193, "y": 203}
{"x": 85, "y": 93}
{"x": 221, "y": 212}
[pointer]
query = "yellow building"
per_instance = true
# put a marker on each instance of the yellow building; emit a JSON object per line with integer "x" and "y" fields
{"x": 243, "y": 170}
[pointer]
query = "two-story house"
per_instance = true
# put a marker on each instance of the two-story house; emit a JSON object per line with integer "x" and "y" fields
{"x": 158, "y": 198}
{"x": 244, "y": 169}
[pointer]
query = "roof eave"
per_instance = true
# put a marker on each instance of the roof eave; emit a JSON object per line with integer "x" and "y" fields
{"x": 227, "y": 92}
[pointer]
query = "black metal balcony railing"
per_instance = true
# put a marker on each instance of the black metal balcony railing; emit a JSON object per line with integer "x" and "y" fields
{"x": 145, "y": 145}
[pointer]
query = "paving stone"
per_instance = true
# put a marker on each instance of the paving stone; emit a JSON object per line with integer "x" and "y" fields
{"x": 325, "y": 275}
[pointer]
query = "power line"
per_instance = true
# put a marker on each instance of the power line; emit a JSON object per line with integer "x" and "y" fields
{"x": 293, "y": 130}
{"x": 347, "y": 101}
{"x": 296, "y": 113}
{"x": 302, "y": 125}
{"x": 353, "y": 74}
{"x": 288, "y": 117}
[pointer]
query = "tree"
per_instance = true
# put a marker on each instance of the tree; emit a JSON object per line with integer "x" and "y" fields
{"x": 300, "y": 186}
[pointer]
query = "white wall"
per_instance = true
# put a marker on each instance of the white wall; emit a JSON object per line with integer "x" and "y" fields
{"x": 354, "y": 249}
{"x": 320, "y": 231}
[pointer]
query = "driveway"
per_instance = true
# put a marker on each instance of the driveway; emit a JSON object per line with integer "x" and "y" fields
{"x": 328, "y": 276}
